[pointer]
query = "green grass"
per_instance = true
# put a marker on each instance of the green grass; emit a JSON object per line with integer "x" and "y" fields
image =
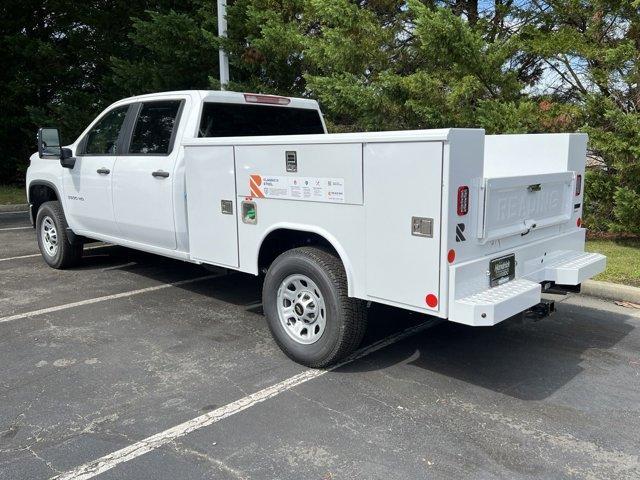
{"x": 12, "y": 194}
{"x": 623, "y": 260}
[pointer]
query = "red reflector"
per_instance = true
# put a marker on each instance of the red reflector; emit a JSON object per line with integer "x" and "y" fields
{"x": 579, "y": 222}
{"x": 270, "y": 99}
{"x": 463, "y": 200}
{"x": 432, "y": 300}
{"x": 451, "y": 256}
{"x": 578, "y": 185}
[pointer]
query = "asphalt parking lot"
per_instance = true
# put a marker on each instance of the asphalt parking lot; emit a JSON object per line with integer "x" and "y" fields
{"x": 138, "y": 367}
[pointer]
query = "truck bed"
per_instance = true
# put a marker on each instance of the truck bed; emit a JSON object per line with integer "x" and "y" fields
{"x": 388, "y": 203}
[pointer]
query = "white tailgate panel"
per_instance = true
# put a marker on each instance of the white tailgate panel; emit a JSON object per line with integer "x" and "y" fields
{"x": 513, "y": 205}
{"x": 210, "y": 178}
{"x": 402, "y": 180}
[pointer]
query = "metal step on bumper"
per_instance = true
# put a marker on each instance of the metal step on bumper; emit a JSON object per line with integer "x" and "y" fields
{"x": 496, "y": 304}
{"x": 573, "y": 268}
{"x": 493, "y": 305}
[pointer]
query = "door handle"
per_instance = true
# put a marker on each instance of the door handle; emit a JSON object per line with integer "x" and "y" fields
{"x": 103, "y": 171}
{"x": 160, "y": 173}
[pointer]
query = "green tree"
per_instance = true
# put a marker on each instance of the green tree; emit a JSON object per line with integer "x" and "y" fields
{"x": 592, "y": 53}
{"x": 173, "y": 50}
{"x": 57, "y": 67}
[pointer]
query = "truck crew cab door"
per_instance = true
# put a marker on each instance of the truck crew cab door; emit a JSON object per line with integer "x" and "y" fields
{"x": 144, "y": 175}
{"x": 87, "y": 186}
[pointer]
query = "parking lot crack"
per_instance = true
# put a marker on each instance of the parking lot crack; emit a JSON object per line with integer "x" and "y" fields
{"x": 47, "y": 463}
{"x": 182, "y": 449}
{"x": 607, "y": 461}
{"x": 326, "y": 407}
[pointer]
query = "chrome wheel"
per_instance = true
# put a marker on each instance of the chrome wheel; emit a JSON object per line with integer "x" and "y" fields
{"x": 301, "y": 309}
{"x": 49, "y": 236}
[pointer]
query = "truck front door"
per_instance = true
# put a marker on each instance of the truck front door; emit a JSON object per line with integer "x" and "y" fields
{"x": 87, "y": 187}
{"x": 144, "y": 175}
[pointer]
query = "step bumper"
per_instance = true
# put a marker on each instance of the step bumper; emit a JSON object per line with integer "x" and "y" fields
{"x": 496, "y": 304}
{"x": 473, "y": 302}
{"x": 573, "y": 268}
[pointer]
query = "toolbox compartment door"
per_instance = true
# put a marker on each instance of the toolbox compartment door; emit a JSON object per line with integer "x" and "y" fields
{"x": 212, "y": 205}
{"x": 517, "y": 205}
{"x": 403, "y": 185}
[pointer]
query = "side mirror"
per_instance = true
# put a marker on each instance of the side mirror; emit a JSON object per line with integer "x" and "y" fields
{"x": 49, "y": 147}
{"x": 49, "y": 143}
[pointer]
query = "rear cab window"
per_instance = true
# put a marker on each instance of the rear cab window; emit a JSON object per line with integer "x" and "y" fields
{"x": 240, "y": 120}
{"x": 155, "y": 128}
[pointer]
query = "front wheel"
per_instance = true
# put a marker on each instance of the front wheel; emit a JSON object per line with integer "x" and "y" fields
{"x": 309, "y": 312}
{"x": 51, "y": 230}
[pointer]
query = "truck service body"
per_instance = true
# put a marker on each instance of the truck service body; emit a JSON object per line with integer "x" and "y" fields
{"x": 452, "y": 222}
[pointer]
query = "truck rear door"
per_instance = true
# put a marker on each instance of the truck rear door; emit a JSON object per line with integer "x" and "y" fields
{"x": 144, "y": 174}
{"x": 518, "y": 205}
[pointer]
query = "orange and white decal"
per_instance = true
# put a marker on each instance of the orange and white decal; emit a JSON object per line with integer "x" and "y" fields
{"x": 313, "y": 189}
{"x": 254, "y": 185}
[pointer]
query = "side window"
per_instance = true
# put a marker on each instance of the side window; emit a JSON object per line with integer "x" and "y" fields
{"x": 103, "y": 137}
{"x": 153, "y": 131}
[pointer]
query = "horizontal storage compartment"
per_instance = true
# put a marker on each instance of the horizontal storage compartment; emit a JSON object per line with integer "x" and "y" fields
{"x": 517, "y": 205}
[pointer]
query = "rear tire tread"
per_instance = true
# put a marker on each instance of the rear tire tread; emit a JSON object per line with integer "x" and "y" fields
{"x": 352, "y": 310}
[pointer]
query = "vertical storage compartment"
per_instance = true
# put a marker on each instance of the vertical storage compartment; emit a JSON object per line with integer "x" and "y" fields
{"x": 211, "y": 205}
{"x": 403, "y": 195}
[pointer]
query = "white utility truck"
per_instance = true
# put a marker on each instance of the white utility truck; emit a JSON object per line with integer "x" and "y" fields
{"x": 450, "y": 223}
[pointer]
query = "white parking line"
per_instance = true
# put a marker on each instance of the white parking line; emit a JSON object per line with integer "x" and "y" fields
{"x": 89, "y": 301}
{"x": 101, "y": 465}
{"x": 116, "y": 267}
{"x": 32, "y": 255}
{"x": 14, "y": 228}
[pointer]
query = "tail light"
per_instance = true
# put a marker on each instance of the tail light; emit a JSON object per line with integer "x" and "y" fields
{"x": 269, "y": 99}
{"x": 463, "y": 200}
{"x": 578, "y": 185}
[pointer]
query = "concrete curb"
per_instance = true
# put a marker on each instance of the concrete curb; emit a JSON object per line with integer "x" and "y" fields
{"x": 611, "y": 291}
{"x": 21, "y": 207}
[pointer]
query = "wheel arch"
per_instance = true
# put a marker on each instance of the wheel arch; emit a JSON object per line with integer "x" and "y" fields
{"x": 282, "y": 237}
{"x": 39, "y": 192}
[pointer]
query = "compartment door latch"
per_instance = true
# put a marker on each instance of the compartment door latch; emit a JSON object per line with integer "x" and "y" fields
{"x": 422, "y": 227}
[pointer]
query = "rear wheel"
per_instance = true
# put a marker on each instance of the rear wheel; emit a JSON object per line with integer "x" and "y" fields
{"x": 308, "y": 310}
{"x": 51, "y": 228}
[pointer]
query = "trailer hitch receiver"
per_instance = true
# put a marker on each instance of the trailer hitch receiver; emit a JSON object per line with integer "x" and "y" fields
{"x": 541, "y": 310}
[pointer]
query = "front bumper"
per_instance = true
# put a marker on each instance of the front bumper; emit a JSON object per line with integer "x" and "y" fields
{"x": 472, "y": 302}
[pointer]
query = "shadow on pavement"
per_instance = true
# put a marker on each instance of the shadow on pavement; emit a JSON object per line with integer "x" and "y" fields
{"x": 524, "y": 359}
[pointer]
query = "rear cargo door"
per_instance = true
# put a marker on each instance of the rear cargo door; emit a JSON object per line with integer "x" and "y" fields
{"x": 518, "y": 205}
{"x": 403, "y": 194}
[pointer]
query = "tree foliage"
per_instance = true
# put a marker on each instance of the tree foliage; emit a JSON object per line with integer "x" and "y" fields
{"x": 506, "y": 66}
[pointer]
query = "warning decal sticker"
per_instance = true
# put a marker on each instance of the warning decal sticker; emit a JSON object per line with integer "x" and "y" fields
{"x": 298, "y": 188}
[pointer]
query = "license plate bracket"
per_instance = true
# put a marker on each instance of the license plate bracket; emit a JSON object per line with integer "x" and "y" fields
{"x": 502, "y": 269}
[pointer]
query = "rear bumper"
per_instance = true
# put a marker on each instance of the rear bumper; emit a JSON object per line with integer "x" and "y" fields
{"x": 559, "y": 259}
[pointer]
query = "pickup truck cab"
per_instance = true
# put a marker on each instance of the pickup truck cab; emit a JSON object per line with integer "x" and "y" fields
{"x": 450, "y": 223}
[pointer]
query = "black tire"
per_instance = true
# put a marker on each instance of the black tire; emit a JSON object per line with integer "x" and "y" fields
{"x": 66, "y": 255}
{"x": 345, "y": 322}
